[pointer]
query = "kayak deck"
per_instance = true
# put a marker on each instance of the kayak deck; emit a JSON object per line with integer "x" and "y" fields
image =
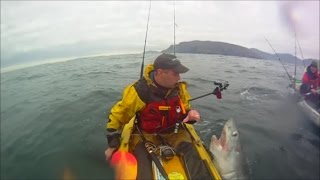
{"x": 175, "y": 167}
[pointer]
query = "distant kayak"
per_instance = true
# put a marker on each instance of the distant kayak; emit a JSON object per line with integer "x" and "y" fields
{"x": 312, "y": 113}
{"x": 309, "y": 110}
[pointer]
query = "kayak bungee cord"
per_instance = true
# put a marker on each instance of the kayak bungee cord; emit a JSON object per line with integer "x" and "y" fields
{"x": 145, "y": 42}
{"x": 291, "y": 81}
{"x": 152, "y": 154}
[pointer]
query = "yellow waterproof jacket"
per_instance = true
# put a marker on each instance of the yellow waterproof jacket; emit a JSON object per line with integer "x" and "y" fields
{"x": 133, "y": 102}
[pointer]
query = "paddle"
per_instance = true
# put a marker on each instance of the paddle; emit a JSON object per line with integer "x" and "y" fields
{"x": 67, "y": 174}
{"x": 124, "y": 164}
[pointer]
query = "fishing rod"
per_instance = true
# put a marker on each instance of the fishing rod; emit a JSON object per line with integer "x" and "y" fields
{"x": 217, "y": 91}
{"x": 280, "y": 62}
{"x": 152, "y": 153}
{"x": 295, "y": 61}
{"x": 145, "y": 42}
{"x": 174, "y": 28}
{"x": 304, "y": 66}
{"x": 293, "y": 85}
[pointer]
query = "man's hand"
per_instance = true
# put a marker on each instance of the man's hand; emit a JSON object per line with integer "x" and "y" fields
{"x": 313, "y": 91}
{"x": 109, "y": 153}
{"x": 193, "y": 115}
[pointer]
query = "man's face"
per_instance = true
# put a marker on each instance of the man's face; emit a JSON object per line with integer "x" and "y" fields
{"x": 313, "y": 69}
{"x": 168, "y": 78}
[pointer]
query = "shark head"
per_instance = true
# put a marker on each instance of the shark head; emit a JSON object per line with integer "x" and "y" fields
{"x": 227, "y": 152}
{"x": 229, "y": 138}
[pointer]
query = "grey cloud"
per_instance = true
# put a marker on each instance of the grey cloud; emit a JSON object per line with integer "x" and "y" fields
{"x": 32, "y": 30}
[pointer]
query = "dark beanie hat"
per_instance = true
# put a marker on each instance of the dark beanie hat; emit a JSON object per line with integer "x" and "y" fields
{"x": 314, "y": 63}
{"x": 169, "y": 61}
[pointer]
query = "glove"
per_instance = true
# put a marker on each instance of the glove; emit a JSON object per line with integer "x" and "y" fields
{"x": 113, "y": 137}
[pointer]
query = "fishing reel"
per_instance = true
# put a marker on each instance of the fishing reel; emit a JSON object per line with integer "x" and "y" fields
{"x": 220, "y": 87}
{"x": 166, "y": 152}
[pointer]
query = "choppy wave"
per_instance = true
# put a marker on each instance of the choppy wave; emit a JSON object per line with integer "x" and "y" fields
{"x": 200, "y": 80}
{"x": 258, "y": 94}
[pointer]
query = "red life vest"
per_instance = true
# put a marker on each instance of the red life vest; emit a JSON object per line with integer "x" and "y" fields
{"x": 314, "y": 83}
{"x": 312, "y": 79}
{"x": 161, "y": 115}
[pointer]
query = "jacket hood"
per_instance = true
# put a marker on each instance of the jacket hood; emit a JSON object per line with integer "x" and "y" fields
{"x": 147, "y": 72}
{"x": 310, "y": 74}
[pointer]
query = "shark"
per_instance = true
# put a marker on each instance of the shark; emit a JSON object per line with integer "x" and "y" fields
{"x": 227, "y": 154}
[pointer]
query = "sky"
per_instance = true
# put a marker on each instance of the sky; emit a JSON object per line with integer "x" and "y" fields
{"x": 43, "y": 30}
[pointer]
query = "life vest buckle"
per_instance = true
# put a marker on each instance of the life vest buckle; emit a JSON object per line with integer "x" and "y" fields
{"x": 164, "y": 108}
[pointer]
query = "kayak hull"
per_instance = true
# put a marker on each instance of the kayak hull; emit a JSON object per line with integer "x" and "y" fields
{"x": 310, "y": 112}
{"x": 305, "y": 107}
{"x": 175, "y": 167}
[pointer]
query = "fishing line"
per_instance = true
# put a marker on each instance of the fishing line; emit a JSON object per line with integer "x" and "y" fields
{"x": 280, "y": 61}
{"x": 145, "y": 42}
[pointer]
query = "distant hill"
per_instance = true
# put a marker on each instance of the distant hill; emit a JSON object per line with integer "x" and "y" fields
{"x": 264, "y": 55}
{"x": 152, "y": 51}
{"x": 222, "y": 48}
{"x": 212, "y": 47}
{"x": 284, "y": 57}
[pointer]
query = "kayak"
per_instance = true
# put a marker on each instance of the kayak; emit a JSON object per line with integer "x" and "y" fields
{"x": 305, "y": 107}
{"x": 174, "y": 167}
{"x": 312, "y": 113}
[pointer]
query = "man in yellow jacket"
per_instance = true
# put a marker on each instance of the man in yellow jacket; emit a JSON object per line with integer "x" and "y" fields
{"x": 160, "y": 102}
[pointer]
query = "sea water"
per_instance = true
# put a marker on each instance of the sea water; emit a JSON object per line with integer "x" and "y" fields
{"x": 53, "y": 115}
